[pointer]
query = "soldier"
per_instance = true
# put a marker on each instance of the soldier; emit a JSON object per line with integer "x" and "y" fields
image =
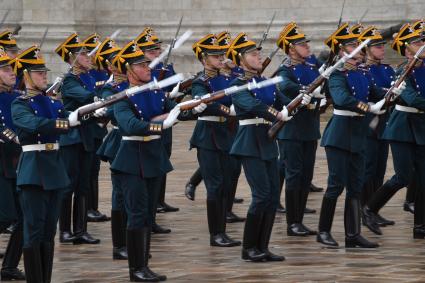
{"x": 10, "y": 211}
{"x": 258, "y": 154}
{"x": 99, "y": 77}
{"x": 41, "y": 174}
{"x": 8, "y": 42}
{"x": 161, "y": 72}
{"x": 149, "y": 43}
{"x": 78, "y": 145}
{"x": 376, "y": 149}
{"x": 212, "y": 139}
{"x": 298, "y": 138}
{"x": 108, "y": 150}
{"x": 141, "y": 159}
{"x": 404, "y": 132}
{"x": 344, "y": 140}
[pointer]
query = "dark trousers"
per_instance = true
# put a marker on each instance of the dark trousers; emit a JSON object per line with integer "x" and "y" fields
{"x": 93, "y": 194}
{"x": 140, "y": 199}
{"x": 117, "y": 192}
{"x": 299, "y": 158}
{"x": 263, "y": 179}
{"x": 346, "y": 170}
{"x": 40, "y": 210}
{"x": 376, "y": 156}
{"x": 214, "y": 165}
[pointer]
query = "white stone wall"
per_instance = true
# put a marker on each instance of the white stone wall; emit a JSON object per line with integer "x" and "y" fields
{"x": 317, "y": 18}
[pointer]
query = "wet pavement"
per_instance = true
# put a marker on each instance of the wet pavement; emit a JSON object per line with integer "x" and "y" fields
{"x": 185, "y": 254}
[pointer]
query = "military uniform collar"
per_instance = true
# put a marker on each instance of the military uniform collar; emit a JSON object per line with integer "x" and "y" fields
{"x": 247, "y": 75}
{"x": 371, "y": 62}
{"x": 226, "y": 72}
{"x": 349, "y": 67}
{"x": 33, "y": 92}
{"x": 77, "y": 71}
{"x": 4, "y": 88}
{"x": 119, "y": 78}
{"x": 210, "y": 73}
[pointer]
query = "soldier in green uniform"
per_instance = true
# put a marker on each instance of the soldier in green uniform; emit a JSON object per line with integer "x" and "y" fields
{"x": 212, "y": 139}
{"x": 344, "y": 140}
{"x": 150, "y": 44}
{"x": 97, "y": 79}
{"x": 10, "y": 211}
{"x": 141, "y": 159}
{"x": 256, "y": 110}
{"x": 78, "y": 145}
{"x": 298, "y": 138}
{"x": 405, "y": 133}
{"x": 41, "y": 174}
{"x": 108, "y": 150}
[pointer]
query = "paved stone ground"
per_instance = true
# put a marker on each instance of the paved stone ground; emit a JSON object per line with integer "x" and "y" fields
{"x": 185, "y": 256}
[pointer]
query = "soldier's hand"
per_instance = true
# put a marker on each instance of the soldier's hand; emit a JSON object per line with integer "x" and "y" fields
{"x": 323, "y": 102}
{"x": 199, "y": 109}
{"x": 73, "y": 119}
{"x": 317, "y": 93}
{"x": 376, "y": 108}
{"x": 100, "y": 112}
{"x": 284, "y": 114}
{"x": 175, "y": 92}
{"x": 232, "y": 110}
{"x": 172, "y": 118}
{"x": 398, "y": 90}
{"x": 306, "y": 97}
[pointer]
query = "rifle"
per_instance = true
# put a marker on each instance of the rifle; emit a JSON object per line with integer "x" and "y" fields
{"x": 44, "y": 37}
{"x": 266, "y": 32}
{"x": 389, "y": 95}
{"x": 177, "y": 44}
{"x": 268, "y": 60}
{"x": 164, "y": 66}
{"x": 210, "y": 97}
{"x": 295, "y": 104}
{"x": 85, "y": 111}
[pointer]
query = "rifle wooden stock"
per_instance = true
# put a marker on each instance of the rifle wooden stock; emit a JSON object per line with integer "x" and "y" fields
{"x": 208, "y": 98}
{"x": 185, "y": 84}
{"x": 161, "y": 75}
{"x": 266, "y": 63}
{"x": 406, "y": 72}
{"x": 92, "y": 107}
{"x": 293, "y": 107}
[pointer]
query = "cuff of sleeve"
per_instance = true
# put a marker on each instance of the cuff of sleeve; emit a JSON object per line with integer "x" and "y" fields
{"x": 62, "y": 124}
{"x": 364, "y": 107}
{"x": 155, "y": 128}
{"x": 8, "y": 134}
{"x": 273, "y": 111}
{"x": 225, "y": 109}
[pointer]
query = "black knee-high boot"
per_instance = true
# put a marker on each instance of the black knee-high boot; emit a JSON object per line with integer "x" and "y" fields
{"x": 327, "y": 213}
{"x": 9, "y": 269}
{"x": 251, "y": 235}
{"x": 191, "y": 185}
{"x": 118, "y": 226}
{"x": 265, "y": 234}
{"x": 33, "y": 264}
{"x": 65, "y": 235}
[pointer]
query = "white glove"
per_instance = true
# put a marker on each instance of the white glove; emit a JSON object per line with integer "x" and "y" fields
{"x": 175, "y": 92}
{"x": 322, "y": 68}
{"x": 285, "y": 115}
{"x": 100, "y": 112}
{"x": 73, "y": 119}
{"x": 317, "y": 93}
{"x": 398, "y": 90}
{"x": 172, "y": 118}
{"x": 376, "y": 108}
{"x": 306, "y": 98}
{"x": 323, "y": 102}
{"x": 232, "y": 110}
{"x": 200, "y": 108}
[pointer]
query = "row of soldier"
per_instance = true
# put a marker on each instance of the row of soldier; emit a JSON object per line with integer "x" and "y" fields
{"x": 50, "y": 152}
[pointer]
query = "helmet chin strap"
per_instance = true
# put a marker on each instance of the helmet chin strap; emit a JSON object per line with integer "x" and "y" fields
{"x": 247, "y": 65}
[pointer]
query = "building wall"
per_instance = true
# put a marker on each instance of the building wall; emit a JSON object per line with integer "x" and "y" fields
{"x": 317, "y": 18}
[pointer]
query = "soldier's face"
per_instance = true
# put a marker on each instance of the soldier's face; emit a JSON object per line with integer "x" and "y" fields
{"x": 84, "y": 61}
{"x": 39, "y": 79}
{"x": 142, "y": 71}
{"x": 7, "y": 76}
{"x": 348, "y": 48}
{"x": 413, "y": 48}
{"x": 377, "y": 51}
{"x": 215, "y": 61}
{"x": 303, "y": 49}
{"x": 252, "y": 60}
{"x": 151, "y": 54}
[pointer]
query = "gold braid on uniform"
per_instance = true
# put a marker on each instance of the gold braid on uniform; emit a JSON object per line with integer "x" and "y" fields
{"x": 350, "y": 67}
{"x": 226, "y": 72}
{"x": 371, "y": 62}
{"x": 5, "y": 88}
{"x": 33, "y": 92}
{"x": 249, "y": 75}
{"x": 211, "y": 73}
{"x": 77, "y": 70}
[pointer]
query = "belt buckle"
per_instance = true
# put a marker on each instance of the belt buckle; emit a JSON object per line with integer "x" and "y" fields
{"x": 221, "y": 119}
{"x": 49, "y": 146}
{"x": 146, "y": 139}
